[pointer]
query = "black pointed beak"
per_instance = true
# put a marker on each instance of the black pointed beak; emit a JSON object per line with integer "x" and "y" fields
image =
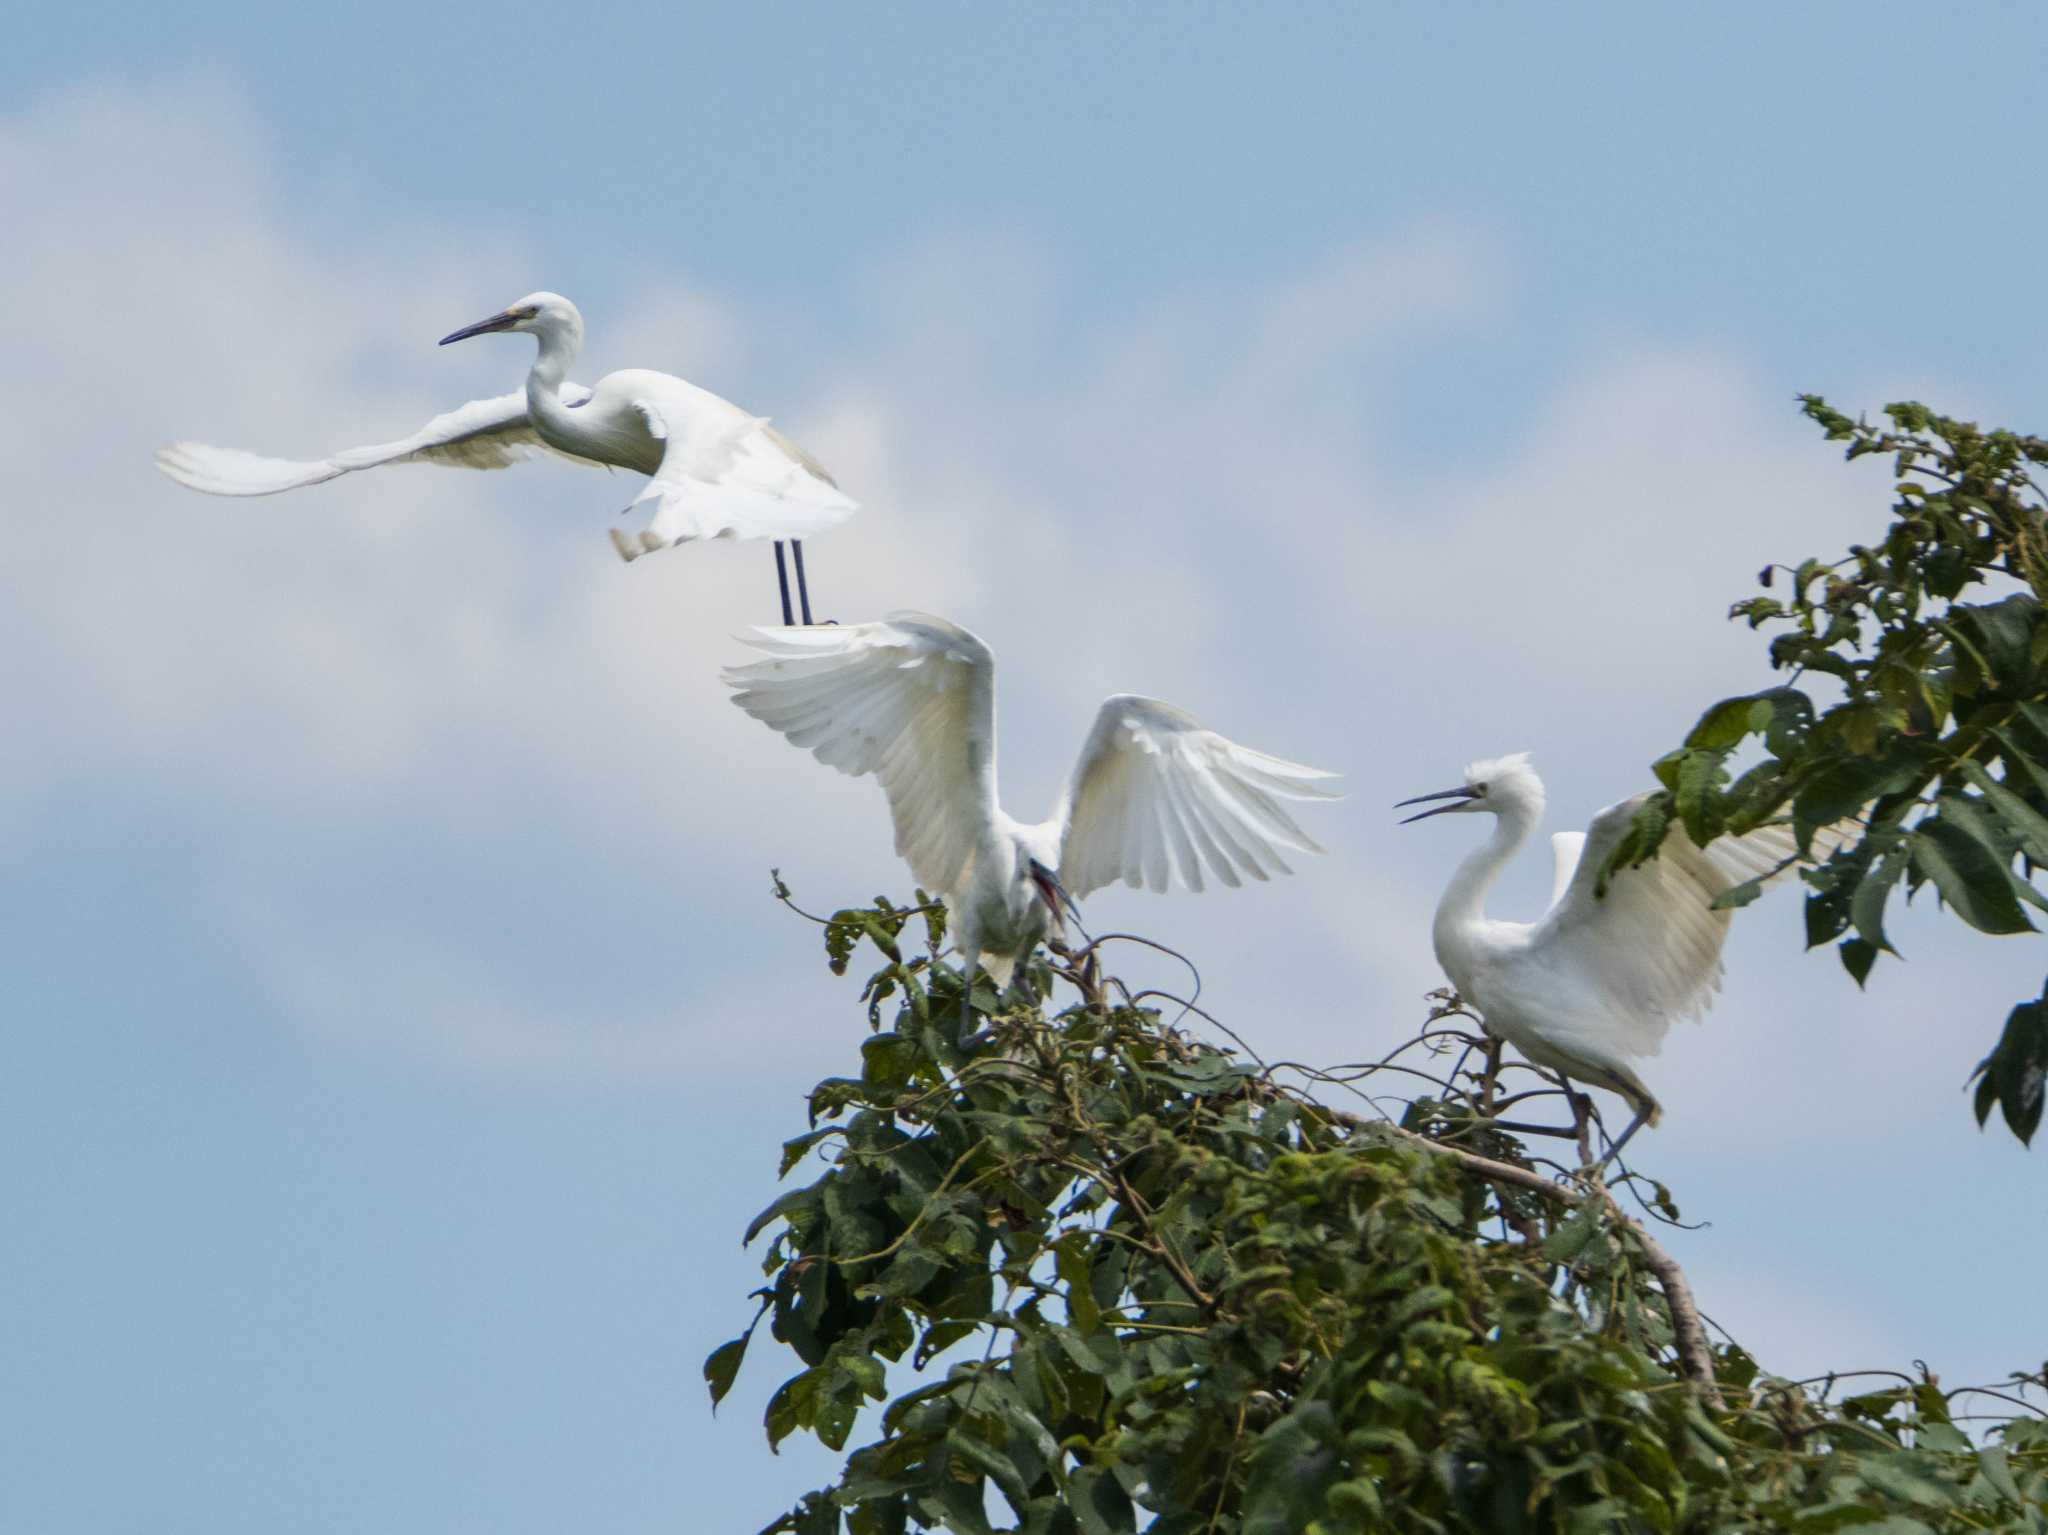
{"x": 482, "y": 327}
{"x": 1054, "y": 894}
{"x": 1459, "y": 797}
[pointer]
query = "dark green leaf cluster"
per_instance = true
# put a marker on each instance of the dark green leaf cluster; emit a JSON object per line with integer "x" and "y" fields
{"x": 1090, "y": 1277}
{"x": 1936, "y": 739}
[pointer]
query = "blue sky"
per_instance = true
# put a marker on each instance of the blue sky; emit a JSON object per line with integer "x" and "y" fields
{"x": 402, "y": 1032}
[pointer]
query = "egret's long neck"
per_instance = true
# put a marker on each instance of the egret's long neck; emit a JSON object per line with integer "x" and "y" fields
{"x": 558, "y": 348}
{"x": 1463, "y": 907}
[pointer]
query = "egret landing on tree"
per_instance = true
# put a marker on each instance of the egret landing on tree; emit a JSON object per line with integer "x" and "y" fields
{"x": 714, "y": 471}
{"x": 912, "y": 701}
{"x": 1599, "y": 980}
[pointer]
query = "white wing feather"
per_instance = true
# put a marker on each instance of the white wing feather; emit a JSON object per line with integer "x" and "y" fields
{"x": 1656, "y": 937}
{"x": 910, "y": 700}
{"x": 724, "y": 473}
{"x": 1154, "y": 790}
{"x": 1565, "y": 848}
{"x": 484, "y": 434}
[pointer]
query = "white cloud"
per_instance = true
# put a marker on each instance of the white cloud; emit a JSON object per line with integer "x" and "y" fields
{"x": 1197, "y": 502}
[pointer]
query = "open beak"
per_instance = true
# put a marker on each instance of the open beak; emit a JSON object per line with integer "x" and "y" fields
{"x": 1458, "y": 798}
{"x": 1054, "y": 894}
{"x": 504, "y": 321}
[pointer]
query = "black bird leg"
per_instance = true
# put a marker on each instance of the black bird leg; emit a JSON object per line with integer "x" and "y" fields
{"x": 782, "y": 580}
{"x": 803, "y": 590}
{"x": 1614, "y": 1148}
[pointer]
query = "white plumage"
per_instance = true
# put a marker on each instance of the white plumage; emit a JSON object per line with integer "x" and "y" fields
{"x": 1597, "y": 982}
{"x": 912, "y": 701}
{"x": 714, "y": 470}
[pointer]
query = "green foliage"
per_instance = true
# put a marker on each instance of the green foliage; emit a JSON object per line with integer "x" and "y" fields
{"x": 1104, "y": 1278}
{"x": 1937, "y": 736}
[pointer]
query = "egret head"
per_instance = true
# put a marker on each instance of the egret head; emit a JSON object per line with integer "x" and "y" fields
{"x": 1503, "y": 785}
{"x": 539, "y": 314}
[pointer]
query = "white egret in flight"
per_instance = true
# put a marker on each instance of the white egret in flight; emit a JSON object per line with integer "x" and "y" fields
{"x": 912, "y": 701}
{"x": 714, "y": 471}
{"x": 1597, "y": 982}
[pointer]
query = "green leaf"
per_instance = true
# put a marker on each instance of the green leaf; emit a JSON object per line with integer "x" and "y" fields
{"x": 1699, "y": 777}
{"x": 1997, "y": 1471}
{"x": 1846, "y": 786}
{"x": 795, "y": 1199}
{"x": 2003, "y": 635}
{"x": 724, "y": 1364}
{"x": 1944, "y": 1437}
{"x": 1866, "y": 906}
{"x": 990, "y": 1461}
{"x": 792, "y": 1407}
{"x": 1857, "y": 958}
{"x": 1783, "y": 714}
{"x": 2028, "y": 826}
{"x": 1737, "y": 895}
{"x": 1100, "y": 1503}
{"x": 1095, "y": 1354}
{"x": 797, "y": 1147}
{"x": 1569, "y": 1240}
{"x": 1972, "y": 878}
{"x": 1834, "y": 1516}
{"x": 1906, "y": 1475}
{"x": 882, "y": 935}
{"x": 1644, "y": 836}
{"x": 888, "y": 1061}
{"x": 1293, "y": 1466}
{"x": 2015, "y": 1073}
{"x": 1727, "y": 723}
{"x": 1108, "y": 1275}
{"x": 1070, "y": 1261}
{"x": 842, "y": 936}
{"x": 956, "y": 1506}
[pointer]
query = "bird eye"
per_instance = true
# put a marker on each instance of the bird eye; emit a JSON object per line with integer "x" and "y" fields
{"x": 1479, "y": 789}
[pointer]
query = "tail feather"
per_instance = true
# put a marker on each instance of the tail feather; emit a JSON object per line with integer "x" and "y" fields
{"x": 1000, "y": 968}
{"x": 1619, "y": 1079}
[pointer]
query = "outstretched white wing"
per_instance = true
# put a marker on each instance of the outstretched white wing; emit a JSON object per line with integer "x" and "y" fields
{"x": 1654, "y": 936}
{"x": 484, "y": 434}
{"x": 724, "y": 473}
{"x": 910, "y": 700}
{"x": 1154, "y": 788}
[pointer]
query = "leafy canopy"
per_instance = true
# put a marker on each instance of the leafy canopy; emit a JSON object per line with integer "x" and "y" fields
{"x": 1094, "y": 1276}
{"x": 1937, "y": 732}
